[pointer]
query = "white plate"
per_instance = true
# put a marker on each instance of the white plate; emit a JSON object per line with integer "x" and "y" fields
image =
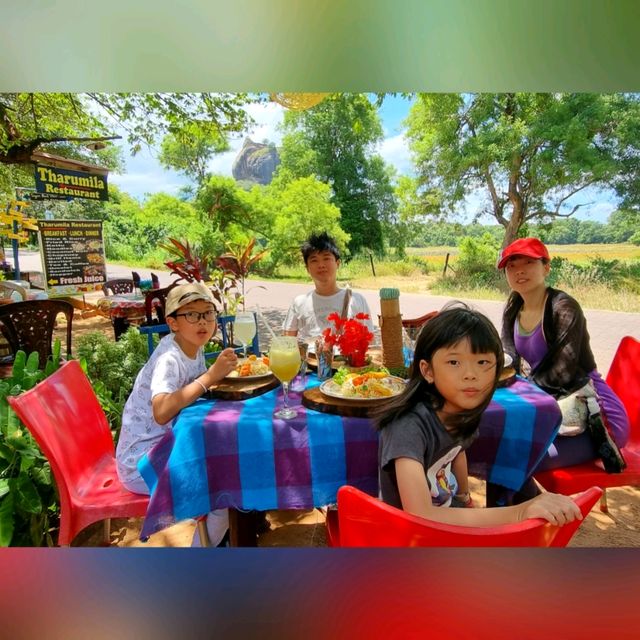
{"x": 331, "y": 389}
{"x": 235, "y": 376}
{"x": 508, "y": 360}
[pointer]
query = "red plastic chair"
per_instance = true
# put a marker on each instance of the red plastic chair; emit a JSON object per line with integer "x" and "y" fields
{"x": 66, "y": 420}
{"x": 364, "y": 521}
{"x": 624, "y": 379}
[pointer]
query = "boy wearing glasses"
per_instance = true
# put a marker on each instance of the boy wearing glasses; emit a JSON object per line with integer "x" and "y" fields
{"x": 174, "y": 376}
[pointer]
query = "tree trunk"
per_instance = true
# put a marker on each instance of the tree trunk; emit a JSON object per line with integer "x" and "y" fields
{"x": 515, "y": 222}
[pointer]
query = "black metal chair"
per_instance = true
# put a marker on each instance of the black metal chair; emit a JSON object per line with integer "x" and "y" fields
{"x": 117, "y": 285}
{"x": 29, "y": 325}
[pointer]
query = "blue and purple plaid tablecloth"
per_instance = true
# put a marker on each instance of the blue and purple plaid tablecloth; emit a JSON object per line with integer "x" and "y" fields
{"x": 516, "y": 430}
{"x": 236, "y": 454}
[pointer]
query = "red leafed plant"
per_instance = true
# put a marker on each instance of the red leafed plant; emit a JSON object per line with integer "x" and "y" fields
{"x": 186, "y": 263}
{"x": 238, "y": 262}
{"x": 352, "y": 337}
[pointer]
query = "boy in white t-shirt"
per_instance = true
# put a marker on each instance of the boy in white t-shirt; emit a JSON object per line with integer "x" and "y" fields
{"x": 174, "y": 377}
{"x": 307, "y": 315}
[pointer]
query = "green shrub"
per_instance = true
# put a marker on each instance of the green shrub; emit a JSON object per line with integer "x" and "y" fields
{"x": 29, "y": 510}
{"x": 475, "y": 266}
{"x": 112, "y": 368}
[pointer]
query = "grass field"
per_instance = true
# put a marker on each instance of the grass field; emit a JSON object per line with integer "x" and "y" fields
{"x": 421, "y": 273}
{"x": 579, "y": 253}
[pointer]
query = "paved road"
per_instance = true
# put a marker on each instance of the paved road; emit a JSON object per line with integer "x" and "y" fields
{"x": 606, "y": 328}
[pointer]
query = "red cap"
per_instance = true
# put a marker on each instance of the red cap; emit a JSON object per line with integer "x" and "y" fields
{"x": 529, "y": 247}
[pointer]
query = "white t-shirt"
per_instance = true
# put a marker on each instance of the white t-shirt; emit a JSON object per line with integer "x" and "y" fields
{"x": 167, "y": 370}
{"x": 308, "y": 312}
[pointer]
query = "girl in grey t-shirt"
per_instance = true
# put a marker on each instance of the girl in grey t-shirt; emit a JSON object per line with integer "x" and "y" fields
{"x": 457, "y": 363}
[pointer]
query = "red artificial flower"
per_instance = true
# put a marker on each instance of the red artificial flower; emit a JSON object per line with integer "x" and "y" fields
{"x": 352, "y": 337}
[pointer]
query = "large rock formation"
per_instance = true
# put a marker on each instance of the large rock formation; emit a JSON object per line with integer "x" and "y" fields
{"x": 255, "y": 162}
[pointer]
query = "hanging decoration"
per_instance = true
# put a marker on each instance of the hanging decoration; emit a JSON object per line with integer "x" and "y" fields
{"x": 298, "y": 101}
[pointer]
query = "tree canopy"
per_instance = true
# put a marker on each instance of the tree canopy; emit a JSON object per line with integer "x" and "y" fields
{"x": 190, "y": 149}
{"x": 335, "y": 142}
{"x": 531, "y": 155}
{"x": 57, "y": 122}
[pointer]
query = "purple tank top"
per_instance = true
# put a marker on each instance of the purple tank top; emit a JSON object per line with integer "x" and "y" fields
{"x": 531, "y": 346}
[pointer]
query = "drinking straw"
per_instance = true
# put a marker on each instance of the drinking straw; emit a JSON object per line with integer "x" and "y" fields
{"x": 264, "y": 320}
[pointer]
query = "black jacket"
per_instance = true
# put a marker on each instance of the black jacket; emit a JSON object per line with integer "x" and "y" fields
{"x": 569, "y": 359}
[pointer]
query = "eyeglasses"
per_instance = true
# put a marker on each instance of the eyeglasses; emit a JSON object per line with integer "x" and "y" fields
{"x": 192, "y": 317}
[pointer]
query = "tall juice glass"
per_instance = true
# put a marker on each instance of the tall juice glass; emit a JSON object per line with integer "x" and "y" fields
{"x": 284, "y": 361}
{"x": 244, "y": 329}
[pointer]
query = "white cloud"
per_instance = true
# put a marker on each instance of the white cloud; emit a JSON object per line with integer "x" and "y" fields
{"x": 395, "y": 151}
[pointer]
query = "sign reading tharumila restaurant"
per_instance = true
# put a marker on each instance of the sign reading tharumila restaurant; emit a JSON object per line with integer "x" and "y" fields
{"x": 57, "y": 181}
{"x": 72, "y": 255}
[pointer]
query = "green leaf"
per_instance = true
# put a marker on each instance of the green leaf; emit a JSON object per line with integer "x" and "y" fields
{"x": 26, "y": 495}
{"x": 4, "y": 487}
{"x": 13, "y": 424}
{"x": 33, "y": 362}
{"x": 37, "y": 528}
{"x": 56, "y": 352}
{"x": 6, "y": 521}
{"x": 26, "y": 462}
{"x": 6, "y": 452}
{"x": 19, "y": 363}
{"x": 42, "y": 475}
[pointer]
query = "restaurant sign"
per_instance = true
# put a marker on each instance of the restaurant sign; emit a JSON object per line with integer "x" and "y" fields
{"x": 69, "y": 183}
{"x": 72, "y": 254}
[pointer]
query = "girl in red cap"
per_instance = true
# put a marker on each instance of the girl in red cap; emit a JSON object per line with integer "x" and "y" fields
{"x": 545, "y": 332}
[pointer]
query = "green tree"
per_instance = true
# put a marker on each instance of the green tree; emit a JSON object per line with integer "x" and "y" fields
{"x": 28, "y": 120}
{"x": 303, "y": 207}
{"x": 226, "y": 204}
{"x": 622, "y": 224}
{"x": 532, "y": 155}
{"x": 190, "y": 149}
{"x": 335, "y": 141}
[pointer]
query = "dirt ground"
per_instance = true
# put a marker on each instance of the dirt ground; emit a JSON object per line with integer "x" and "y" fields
{"x": 620, "y": 527}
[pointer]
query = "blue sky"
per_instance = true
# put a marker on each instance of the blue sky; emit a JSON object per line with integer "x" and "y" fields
{"x": 145, "y": 176}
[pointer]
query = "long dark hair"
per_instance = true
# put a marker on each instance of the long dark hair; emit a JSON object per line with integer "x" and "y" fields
{"x": 454, "y": 323}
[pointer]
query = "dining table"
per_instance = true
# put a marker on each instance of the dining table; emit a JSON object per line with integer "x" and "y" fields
{"x": 124, "y": 309}
{"x": 129, "y": 306}
{"x": 238, "y": 455}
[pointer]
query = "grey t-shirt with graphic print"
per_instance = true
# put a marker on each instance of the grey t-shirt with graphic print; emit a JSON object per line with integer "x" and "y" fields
{"x": 419, "y": 435}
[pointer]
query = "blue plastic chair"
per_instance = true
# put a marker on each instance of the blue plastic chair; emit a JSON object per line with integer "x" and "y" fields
{"x": 223, "y": 323}
{"x": 149, "y": 330}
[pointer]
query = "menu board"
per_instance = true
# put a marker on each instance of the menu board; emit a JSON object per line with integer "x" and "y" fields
{"x": 72, "y": 254}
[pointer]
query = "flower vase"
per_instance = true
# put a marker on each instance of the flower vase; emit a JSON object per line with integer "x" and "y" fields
{"x": 357, "y": 364}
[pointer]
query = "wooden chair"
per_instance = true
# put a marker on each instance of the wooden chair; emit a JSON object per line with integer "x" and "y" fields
{"x": 117, "y": 285}
{"x": 149, "y": 306}
{"x": 29, "y": 325}
{"x": 413, "y": 325}
{"x": 155, "y": 281}
{"x": 364, "y": 521}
